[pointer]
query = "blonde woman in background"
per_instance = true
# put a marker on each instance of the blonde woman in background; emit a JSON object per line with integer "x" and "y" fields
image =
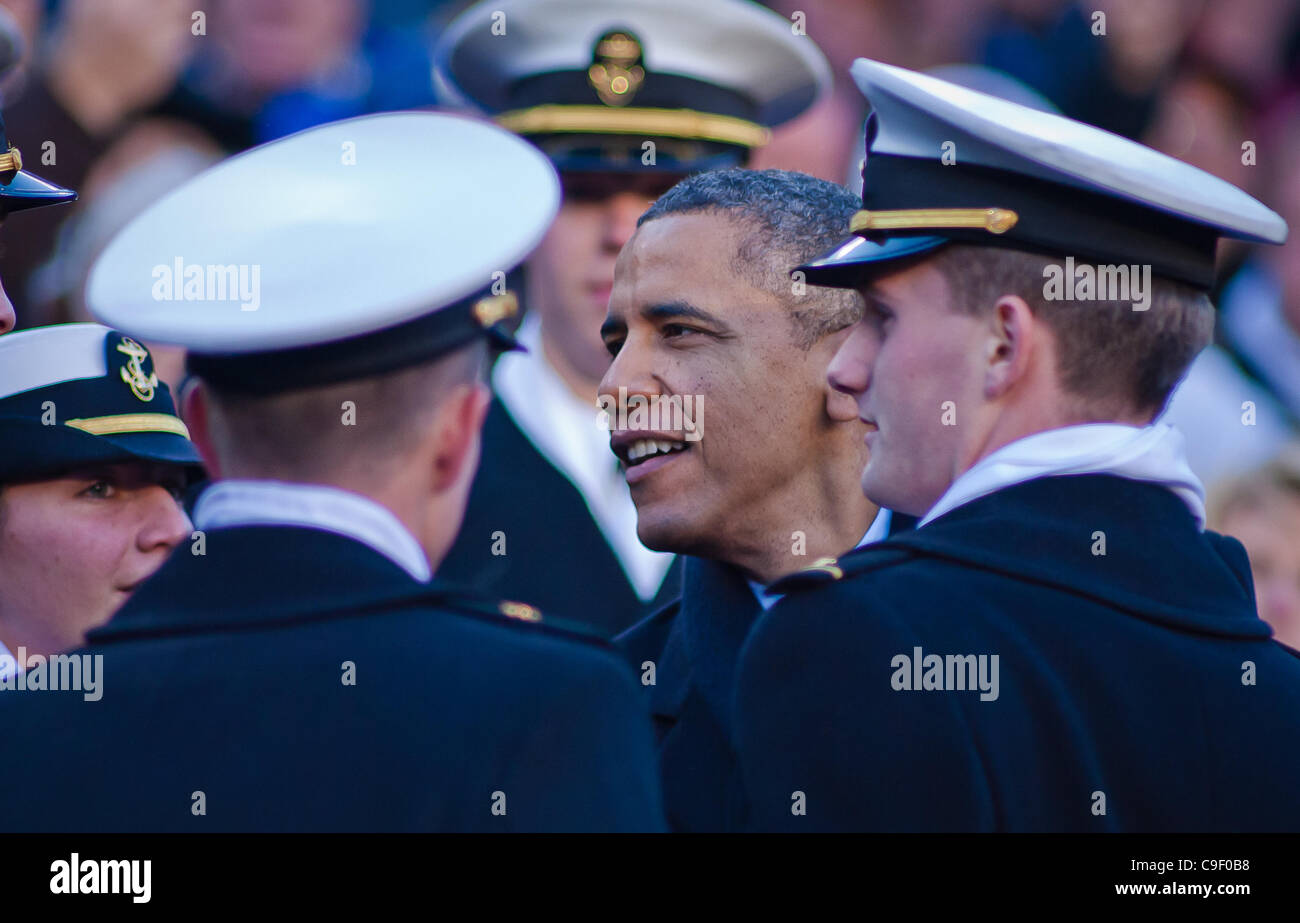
{"x": 1262, "y": 511}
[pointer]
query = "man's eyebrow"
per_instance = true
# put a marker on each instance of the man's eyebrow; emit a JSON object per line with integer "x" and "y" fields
{"x": 667, "y": 310}
{"x": 672, "y": 309}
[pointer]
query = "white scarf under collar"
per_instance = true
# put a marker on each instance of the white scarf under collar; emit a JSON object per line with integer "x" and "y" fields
{"x": 232, "y": 503}
{"x": 1156, "y": 454}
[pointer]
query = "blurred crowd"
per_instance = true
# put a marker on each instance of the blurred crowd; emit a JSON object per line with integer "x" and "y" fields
{"x": 123, "y": 100}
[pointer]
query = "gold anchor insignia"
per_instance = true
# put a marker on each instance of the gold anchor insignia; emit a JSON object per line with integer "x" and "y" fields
{"x": 521, "y": 611}
{"x": 141, "y": 385}
{"x": 827, "y": 566}
{"x": 615, "y": 73}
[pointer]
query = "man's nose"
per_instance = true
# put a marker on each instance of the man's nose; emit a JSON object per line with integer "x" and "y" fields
{"x": 621, "y": 213}
{"x": 165, "y": 524}
{"x": 850, "y": 369}
{"x": 632, "y": 371}
{"x": 8, "y": 320}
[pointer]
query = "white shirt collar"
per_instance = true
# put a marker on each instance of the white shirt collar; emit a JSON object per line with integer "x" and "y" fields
{"x": 227, "y": 504}
{"x": 878, "y": 531}
{"x": 568, "y": 433}
{"x": 1155, "y": 453}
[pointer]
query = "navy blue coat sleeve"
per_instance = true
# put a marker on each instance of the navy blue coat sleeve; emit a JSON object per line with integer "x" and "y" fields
{"x": 587, "y": 762}
{"x": 820, "y": 729}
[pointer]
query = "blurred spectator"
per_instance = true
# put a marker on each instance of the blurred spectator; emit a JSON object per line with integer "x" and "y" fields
{"x": 826, "y": 141}
{"x": 1262, "y": 510}
{"x": 103, "y": 62}
{"x": 1247, "y": 40}
{"x": 822, "y": 140}
{"x": 1203, "y": 117}
{"x": 272, "y": 67}
{"x": 147, "y": 162}
{"x": 1232, "y": 424}
{"x": 1261, "y": 310}
{"x": 21, "y": 19}
{"x": 1253, "y": 373}
{"x": 1110, "y": 80}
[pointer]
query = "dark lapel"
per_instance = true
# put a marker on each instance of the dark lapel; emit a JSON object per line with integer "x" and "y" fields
{"x": 691, "y": 699}
{"x": 261, "y": 574}
{"x": 718, "y": 608}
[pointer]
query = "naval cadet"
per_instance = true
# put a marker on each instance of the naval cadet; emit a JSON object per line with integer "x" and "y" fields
{"x": 94, "y": 462}
{"x": 296, "y": 665}
{"x": 704, "y": 313}
{"x": 625, "y": 98}
{"x": 20, "y": 190}
{"x": 1060, "y": 644}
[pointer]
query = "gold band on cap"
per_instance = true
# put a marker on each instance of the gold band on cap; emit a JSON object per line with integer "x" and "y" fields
{"x": 11, "y": 160}
{"x": 495, "y": 308}
{"x": 672, "y": 123}
{"x": 130, "y": 423}
{"x": 993, "y": 220}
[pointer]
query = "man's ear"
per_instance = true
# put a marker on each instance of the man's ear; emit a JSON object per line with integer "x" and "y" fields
{"x": 458, "y": 427}
{"x": 1014, "y": 338}
{"x": 195, "y": 411}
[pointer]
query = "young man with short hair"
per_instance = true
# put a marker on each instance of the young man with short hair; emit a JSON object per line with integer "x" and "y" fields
{"x": 1060, "y": 644}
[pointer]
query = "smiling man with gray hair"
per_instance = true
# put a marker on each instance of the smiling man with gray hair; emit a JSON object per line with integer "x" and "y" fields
{"x": 703, "y": 309}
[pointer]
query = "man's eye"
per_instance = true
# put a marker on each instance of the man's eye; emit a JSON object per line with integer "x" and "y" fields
{"x": 100, "y": 490}
{"x": 677, "y": 330}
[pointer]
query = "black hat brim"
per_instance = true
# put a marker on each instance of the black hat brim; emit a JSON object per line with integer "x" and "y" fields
{"x": 27, "y": 190}
{"x": 64, "y": 448}
{"x": 853, "y": 261}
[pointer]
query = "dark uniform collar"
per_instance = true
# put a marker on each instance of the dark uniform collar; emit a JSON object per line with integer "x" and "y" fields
{"x": 261, "y": 575}
{"x": 1156, "y": 564}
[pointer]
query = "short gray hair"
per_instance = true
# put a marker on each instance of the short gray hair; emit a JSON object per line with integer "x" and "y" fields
{"x": 792, "y": 218}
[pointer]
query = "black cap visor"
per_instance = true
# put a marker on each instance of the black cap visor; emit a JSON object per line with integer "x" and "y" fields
{"x": 53, "y": 450}
{"x": 27, "y": 190}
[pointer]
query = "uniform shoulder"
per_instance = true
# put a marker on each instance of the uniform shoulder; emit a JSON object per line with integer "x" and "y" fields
{"x": 519, "y": 618}
{"x": 829, "y": 571}
{"x": 518, "y": 639}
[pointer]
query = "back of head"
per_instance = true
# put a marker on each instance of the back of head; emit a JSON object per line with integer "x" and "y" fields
{"x": 1116, "y": 357}
{"x": 359, "y": 434}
